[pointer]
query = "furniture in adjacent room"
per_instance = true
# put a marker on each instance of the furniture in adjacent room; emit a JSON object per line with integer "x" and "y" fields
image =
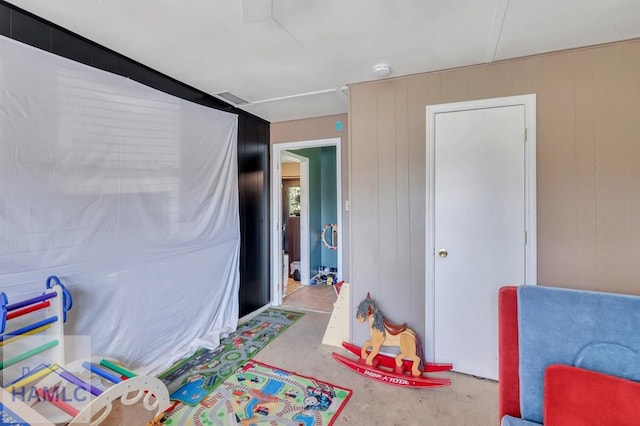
{"x": 293, "y": 237}
{"x": 568, "y": 357}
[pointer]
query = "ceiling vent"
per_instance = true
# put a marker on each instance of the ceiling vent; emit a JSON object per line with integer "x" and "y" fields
{"x": 230, "y": 97}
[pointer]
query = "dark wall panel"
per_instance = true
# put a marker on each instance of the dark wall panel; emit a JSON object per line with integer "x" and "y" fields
{"x": 103, "y": 59}
{"x": 253, "y": 138}
{"x": 254, "y": 208}
{"x": 5, "y": 20}
{"x": 65, "y": 44}
{"x": 30, "y": 30}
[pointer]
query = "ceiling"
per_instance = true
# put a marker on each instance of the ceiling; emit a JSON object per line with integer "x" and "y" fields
{"x": 292, "y": 59}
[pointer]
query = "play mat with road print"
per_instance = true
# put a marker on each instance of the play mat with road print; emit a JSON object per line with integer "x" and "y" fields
{"x": 192, "y": 379}
{"x": 259, "y": 394}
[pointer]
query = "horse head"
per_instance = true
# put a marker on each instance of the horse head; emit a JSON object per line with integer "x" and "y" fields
{"x": 365, "y": 308}
{"x": 368, "y": 309}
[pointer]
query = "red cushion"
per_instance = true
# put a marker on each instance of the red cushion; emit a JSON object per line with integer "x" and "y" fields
{"x": 577, "y": 397}
{"x": 509, "y": 383}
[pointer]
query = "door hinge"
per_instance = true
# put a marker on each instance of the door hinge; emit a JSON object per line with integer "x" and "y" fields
{"x": 525, "y": 237}
{"x": 526, "y": 134}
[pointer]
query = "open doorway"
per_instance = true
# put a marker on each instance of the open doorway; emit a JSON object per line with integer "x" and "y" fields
{"x": 306, "y": 213}
{"x": 294, "y": 214}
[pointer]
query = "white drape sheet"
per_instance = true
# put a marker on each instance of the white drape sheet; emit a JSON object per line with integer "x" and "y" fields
{"x": 129, "y": 195}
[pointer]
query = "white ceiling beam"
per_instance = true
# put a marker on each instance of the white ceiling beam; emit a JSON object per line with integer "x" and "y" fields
{"x": 496, "y": 30}
{"x": 297, "y": 95}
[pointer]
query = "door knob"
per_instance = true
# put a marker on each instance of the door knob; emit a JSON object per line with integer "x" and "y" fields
{"x": 443, "y": 253}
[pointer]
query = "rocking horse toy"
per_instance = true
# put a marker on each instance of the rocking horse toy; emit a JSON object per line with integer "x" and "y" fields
{"x": 405, "y": 369}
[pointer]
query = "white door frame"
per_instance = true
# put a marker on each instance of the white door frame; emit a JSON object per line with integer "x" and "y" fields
{"x": 529, "y": 101}
{"x": 276, "y": 205}
{"x": 304, "y": 213}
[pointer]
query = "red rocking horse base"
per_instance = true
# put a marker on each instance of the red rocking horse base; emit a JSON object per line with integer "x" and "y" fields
{"x": 405, "y": 369}
{"x": 384, "y": 370}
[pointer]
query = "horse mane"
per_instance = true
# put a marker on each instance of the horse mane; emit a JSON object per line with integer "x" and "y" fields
{"x": 363, "y": 312}
{"x": 420, "y": 352}
{"x": 378, "y": 320}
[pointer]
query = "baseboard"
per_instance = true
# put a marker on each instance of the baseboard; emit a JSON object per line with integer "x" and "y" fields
{"x": 254, "y": 314}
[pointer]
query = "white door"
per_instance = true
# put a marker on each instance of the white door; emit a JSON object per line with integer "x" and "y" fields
{"x": 479, "y": 230}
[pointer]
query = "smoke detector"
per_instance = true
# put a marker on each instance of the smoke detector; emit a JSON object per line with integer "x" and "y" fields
{"x": 381, "y": 70}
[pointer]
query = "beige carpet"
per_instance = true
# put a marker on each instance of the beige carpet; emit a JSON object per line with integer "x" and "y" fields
{"x": 468, "y": 401}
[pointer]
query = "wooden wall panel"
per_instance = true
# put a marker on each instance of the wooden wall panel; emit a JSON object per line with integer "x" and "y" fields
{"x": 423, "y": 91}
{"x": 453, "y": 85}
{"x": 556, "y": 170}
{"x": 463, "y": 84}
{"x": 588, "y": 182}
{"x": 309, "y": 129}
{"x": 402, "y": 232}
{"x": 473, "y": 82}
{"x": 611, "y": 170}
{"x": 387, "y": 199}
{"x": 364, "y": 200}
{"x": 496, "y": 80}
{"x": 524, "y": 74}
{"x": 631, "y": 79}
{"x": 585, "y": 192}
